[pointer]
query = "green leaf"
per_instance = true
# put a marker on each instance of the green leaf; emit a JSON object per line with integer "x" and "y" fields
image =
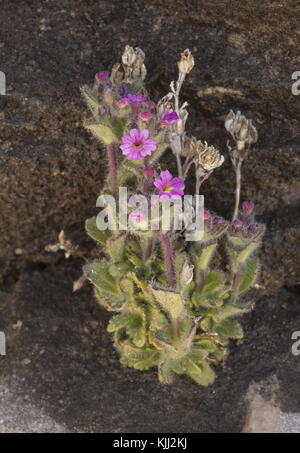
{"x": 179, "y": 365}
{"x": 127, "y": 286}
{"x": 206, "y": 255}
{"x": 247, "y": 251}
{"x": 229, "y": 329}
{"x": 91, "y": 99}
{"x": 117, "y": 322}
{"x": 185, "y": 327}
{"x": 116, "y": 247}
{"x": 138, "y": 358}
{"x": 110, "y": 303}
{"x": 198, "y": 355}
{"x": 214, "y": 280}
{"x": 118, "y": 125}
{"x": 227, "y": 312}
{"x": 157, "y": 319}
{"x": 170, "y": 301}
{"x": 165, "y": 373}
{"x": 248, "y": 275}
{"x": 201, "y": 374}
{"x": 94, "y": 232}
{"x": 165, "y": 336}
{"x": 136, "y": 327}
{"x": 102, "y": 132}
{"x": 98, "y": 274}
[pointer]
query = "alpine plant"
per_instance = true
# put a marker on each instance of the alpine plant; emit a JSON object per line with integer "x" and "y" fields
{"x": 172, "y": 309}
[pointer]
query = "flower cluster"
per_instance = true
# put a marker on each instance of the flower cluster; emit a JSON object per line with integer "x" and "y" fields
{"x": 244, "y": 228}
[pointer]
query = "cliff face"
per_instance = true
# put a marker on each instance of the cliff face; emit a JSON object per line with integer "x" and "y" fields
{"x": 51, "y": 170}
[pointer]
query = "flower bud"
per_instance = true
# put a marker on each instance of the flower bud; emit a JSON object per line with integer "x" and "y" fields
{"x": 102, "y": 75}
{"x": 248, "y": 207}
{"x": 186, "y": 63}
{"x": 149, "y": 172}
{"x": 237, "y": 225}
{"x": 206, "y": 214}
{"x": 122, "y": 103}
{"x": 145, "y": 116}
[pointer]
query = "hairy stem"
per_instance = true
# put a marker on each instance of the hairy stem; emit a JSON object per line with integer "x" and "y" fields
{"x": 149, "y": 248}
{"x": 112, "y": 166}
{"x": 235, "y": 283}
{"x": 168, "y": 255}
{"x": 237, "y": 188}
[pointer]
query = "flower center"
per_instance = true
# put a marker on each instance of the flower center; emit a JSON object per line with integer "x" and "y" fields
{"x": 167, "y": 189}
{"x": 138, "y": 145}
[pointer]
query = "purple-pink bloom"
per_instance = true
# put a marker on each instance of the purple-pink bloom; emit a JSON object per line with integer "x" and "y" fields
{"x": 102, "y": 75}
{"x": 169, "y": 187}
{"x": 145, "y": 116}
{"x": 168, "y": 117}
{"x": 206, "y": 214}
{"x": 137, "y": 144}
{"x": 237, "y": 224}
{"x": 135, "y": 99}
{"x": 136, "y": 216}
{"x": 248, "y": 206}
{"x": 122, "y": 103}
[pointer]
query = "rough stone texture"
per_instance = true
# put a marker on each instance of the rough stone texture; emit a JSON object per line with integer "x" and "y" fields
{"x": 51, "y": 172}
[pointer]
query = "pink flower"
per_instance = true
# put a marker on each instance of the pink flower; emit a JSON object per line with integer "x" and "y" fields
{"x": 135, "y": 99}
{"x": 168, "y": 118}
{"x": 145, "y": 116}
{"x": 206, "y": 214}
{"x": 137, "y": 144}
{"x": 102, "y": 75}
{"x": 169, "y": 187}
{"x": 122, "y": 103}
{"x": 136, "y": 216}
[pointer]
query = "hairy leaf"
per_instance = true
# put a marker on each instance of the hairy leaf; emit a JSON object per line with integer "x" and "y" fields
{"x": 94, "y": 232}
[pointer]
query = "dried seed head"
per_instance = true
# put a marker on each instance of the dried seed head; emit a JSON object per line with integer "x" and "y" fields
{"x": 190, "y": 147}
{"x": 208, "y": 157}
{"x": 165, "y": 103}
{"x": 129, "y": 56}
{"x": 186, "y": 63}
{"x": 241, "y": 129}
{"x": 133, "y": 64}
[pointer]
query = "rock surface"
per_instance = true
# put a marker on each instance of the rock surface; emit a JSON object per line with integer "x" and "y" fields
{"x": 61, "y": 372}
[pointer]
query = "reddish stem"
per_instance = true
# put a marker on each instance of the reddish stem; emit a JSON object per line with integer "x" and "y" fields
{"x": 112, "y": 166}
{"x": 149, "y": 248}
{"x": 168, "y": 255}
